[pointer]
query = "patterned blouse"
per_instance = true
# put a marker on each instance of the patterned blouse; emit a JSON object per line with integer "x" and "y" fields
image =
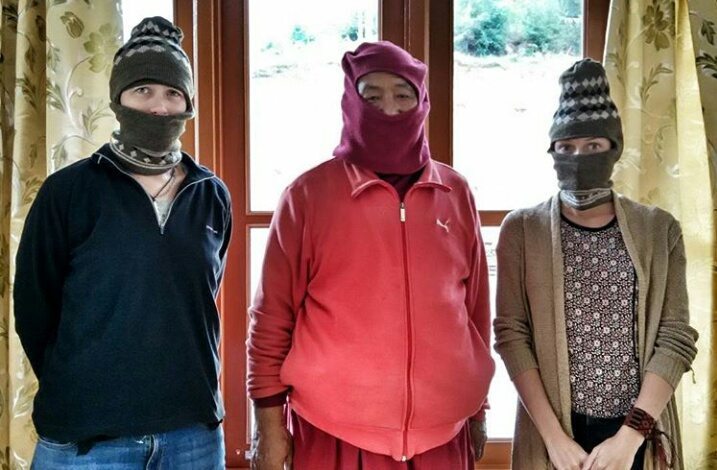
{"x": 600, "y": 306}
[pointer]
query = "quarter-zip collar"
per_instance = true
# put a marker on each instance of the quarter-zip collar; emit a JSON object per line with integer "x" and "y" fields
{"x": 195, "y": 172}
{"x": 361, "y": 178}
{"x": 195, "y": 175}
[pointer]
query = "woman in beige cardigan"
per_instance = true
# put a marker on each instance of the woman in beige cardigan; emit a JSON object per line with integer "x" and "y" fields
{"x": 596, "y": 349}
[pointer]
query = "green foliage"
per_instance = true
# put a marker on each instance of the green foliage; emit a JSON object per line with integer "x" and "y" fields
{"x": 358, "y": 28}
{"x": 491, "y": 27}
{"x": 482, "y": 27}
{"x": 300, "y": 36}
{"x": 350, "y": 32}
{"x": 269, "y": 46}
{"x": 546, "y": 28}
{"x": 571, "y": 8}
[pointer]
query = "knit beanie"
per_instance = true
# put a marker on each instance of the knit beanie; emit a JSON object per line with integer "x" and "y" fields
{"x": 152, "y": 54}
{"x": 585, "y": 108}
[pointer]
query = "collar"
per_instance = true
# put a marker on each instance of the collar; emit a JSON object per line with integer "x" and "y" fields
{"x": 195, "y": 171}
{"x": 361, "y": 178}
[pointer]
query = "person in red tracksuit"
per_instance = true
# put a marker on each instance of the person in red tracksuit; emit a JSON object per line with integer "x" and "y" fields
{"x": 371, "y": 319}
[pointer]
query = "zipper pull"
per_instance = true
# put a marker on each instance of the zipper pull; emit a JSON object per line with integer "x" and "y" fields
{"x": 402, "y": 212}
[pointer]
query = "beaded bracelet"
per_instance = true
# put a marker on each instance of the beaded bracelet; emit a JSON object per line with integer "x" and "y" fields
{"x": 641, "y": 421}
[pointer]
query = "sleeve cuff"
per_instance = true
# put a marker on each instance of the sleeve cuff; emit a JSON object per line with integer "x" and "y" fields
{"x": 517, "y": 362}
{"x": 274, "y": 400}
{"x": 669, "y": 368}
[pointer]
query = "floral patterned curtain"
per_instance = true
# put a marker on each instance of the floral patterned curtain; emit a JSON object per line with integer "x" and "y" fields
{"x": 650, "y": 58}
{"x": 55, "y": 58}
{"x": 703, "y": 16}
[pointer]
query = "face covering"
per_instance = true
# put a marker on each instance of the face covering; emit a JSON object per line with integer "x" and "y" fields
{"x": 371, "y": 139}
{"x": 147, "y": 144}
{"x": 584, "y": 180}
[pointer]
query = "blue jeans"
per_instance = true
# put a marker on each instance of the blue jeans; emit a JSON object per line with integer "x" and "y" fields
{"x": 197, "y": 447}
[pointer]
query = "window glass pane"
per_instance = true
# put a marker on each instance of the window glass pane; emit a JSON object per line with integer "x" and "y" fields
{"x": 296, "y": 84}
{"x": 508, "y": 55}
{"x": 133, "y": 11}
{"x": 257, "y": 245}
{"x": 502, "y": 396}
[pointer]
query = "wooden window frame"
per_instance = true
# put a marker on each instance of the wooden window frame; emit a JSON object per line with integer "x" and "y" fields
{"x": 216, "y": 41}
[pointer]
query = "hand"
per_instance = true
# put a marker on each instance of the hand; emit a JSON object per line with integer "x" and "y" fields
{"x": 479, "y": 436}
{"x": 615, "y": 453}
{"x": 271, "y": 445}
{"x": 565, "y": 453}
{"x": 271, "y": 449}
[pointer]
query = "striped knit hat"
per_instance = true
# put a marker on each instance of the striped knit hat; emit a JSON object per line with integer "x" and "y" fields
{"x": 585, "y": 108}
{"x": 152, "y": 54}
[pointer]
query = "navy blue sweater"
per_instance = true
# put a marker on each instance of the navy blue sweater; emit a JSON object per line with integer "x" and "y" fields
{"x": 116, "y": 313}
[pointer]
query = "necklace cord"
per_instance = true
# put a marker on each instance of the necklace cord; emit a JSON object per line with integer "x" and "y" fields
{"x": 165, "y": 185}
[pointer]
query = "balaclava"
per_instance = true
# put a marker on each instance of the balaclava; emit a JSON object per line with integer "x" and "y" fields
{"x": 585, "y": 110}
{"x": 371, "y": 139}
{"x": 145, "y": 143}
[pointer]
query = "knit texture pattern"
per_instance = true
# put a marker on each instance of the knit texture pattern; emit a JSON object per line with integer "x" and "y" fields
{"x": 586, "y": 108}
{"x": 153, "y": 54}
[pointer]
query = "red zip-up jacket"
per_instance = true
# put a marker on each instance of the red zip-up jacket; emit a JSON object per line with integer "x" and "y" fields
{"x": 374, "y": 313}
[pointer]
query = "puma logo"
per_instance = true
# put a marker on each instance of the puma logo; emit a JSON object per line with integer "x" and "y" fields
{"x": 443, "y": 225}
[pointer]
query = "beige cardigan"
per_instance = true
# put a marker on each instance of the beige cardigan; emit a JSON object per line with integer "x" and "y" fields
{"x": 530, "y": 322}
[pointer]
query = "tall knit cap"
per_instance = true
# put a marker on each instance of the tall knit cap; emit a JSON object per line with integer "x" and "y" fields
{"x": 153, "y": 54}
{"x": 586, "y": 108}
{"x": 148, "y": 143}
{"x": 385, "y": 144}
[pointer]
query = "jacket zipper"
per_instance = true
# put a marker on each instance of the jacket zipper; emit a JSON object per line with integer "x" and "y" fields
{"x": 409, "y": 331}
{"x": 151, "y": 203}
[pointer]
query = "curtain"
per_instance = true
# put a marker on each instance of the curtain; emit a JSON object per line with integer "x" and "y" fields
{"x": 703, "y": 16}
{"x": 650, "y": 58}
{"x": 55, "y": 59}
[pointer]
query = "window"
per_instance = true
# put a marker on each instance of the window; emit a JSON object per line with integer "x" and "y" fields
{"x": 507, "y": 58}
{"x": 251, "y": 68}
{"x": 294, "y": 69}
{"x": 133, "y": 12}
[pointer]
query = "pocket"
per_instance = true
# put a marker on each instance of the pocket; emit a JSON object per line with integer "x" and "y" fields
{"x": 55, "y": 445}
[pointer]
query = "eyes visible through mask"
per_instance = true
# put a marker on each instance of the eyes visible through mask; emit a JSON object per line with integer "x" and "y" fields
{"x": 387, "y": 92}
{"x": 582, "y": 145}
{"x": 154, "y": 98}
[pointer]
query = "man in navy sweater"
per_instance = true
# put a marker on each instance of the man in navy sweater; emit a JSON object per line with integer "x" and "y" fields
{"x": 117, "y": 271}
